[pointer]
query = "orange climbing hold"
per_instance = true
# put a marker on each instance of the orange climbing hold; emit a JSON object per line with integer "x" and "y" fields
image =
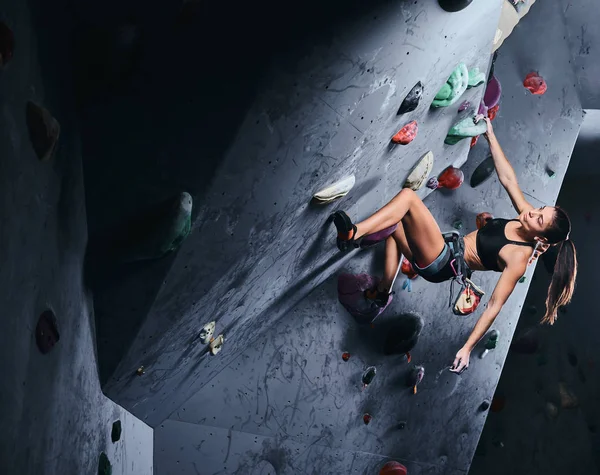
{"x": 492, "y": 111}
{"x": 393, "y": 468}
{"x": 535, "y": 83}
{"x": 474, "y": 140}
{"x": 406, "y": 134}
{"x": 408, "y": 270}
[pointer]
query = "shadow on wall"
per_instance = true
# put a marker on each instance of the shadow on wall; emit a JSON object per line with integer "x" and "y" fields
{"x": 161, "y": 91}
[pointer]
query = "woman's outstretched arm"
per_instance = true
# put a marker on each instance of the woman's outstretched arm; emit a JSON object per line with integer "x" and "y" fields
{"x": 505, "y": 171}
{"x": 508, "y": 280}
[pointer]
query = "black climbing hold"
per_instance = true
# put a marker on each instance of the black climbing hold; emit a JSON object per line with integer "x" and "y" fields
{"x": 402, "y": 425}
{"x": 46, "y": 332}
{"x": 532, "y": 309}
{"x": 115, "y": 434}
{"x": 483, "y": 172}
{"x": 485, "y": 405}
{"x": 411, "y": 101}
{"x": 104, "y": 466}
{"x": 404, "y": 335}
{"x": 415, "y": 376}
{"x": 454, "y": 5}
{"x": 369, "y": 375}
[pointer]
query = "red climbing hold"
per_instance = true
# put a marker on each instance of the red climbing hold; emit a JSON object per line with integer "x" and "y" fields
{"x": 451, "y": 178}
{"x": 393, "y": 468}
{"x": 7, "y": 44}
{"x": 345, "y": 356}
{"x": 482, "y": 219}
{"x": 474, "y": 140}
{"x": 406, "y": 134}
{"x": 535, "y": 83}
{"x": 492, "y": 111}
{"x": 408, "y": 270}
{"x": 367, "y": 418}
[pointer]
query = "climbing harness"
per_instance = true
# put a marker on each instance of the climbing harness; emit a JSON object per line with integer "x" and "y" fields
{"x": 469, "y": 297}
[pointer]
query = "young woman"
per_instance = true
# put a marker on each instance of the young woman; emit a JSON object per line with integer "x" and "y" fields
{"x": 502, "y": 245}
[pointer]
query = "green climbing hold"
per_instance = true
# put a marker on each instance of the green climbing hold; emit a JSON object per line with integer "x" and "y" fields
{"x": 457, "y": 224}
{"x": 492, "y": 340}
{"x": 115, "y": 434}
{"x": 465, "y": 128}
{"x": 104, "y": 466}
{"x": 455, "y": 86}
{"x": 476, "y": 78}
{"x": 551, "y": 173}
{"x": 522, "y": 279}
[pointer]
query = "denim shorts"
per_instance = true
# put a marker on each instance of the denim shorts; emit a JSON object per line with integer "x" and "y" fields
{"x": 442, "y": 269}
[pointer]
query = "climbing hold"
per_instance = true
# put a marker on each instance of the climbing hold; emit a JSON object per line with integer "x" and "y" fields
{"x": 491, "y": 342}
{"x": 551, "y": 173}
{"x": 158, "y": 231}
{"x": 457, "y": 224}
{"x": 535, "y": 84}
{"x": 7, "y": 44}
{"x": 104, "y": 465}
{"x": 532, "y": 309}
{"x": 527, "y": 343}
{"x": 207, "y": 332}
{"x": 482, "y": 219}
{"x": 492, "y": 94}
{"x": 351, "y": 290}
{"x": 372, "y": 239}
{"x": 464, "y": 106}
{"x": 368, "y": 376}
{"x": 568, "y": 400}
{"x": 411, "y": 101}
{"x": 345, "y": 356}
{"x": 216, "y": 345}
{"x": 46, "y": 332}
{"x": 483, "y": 172}
{"x": 451, "y": 178}
{"x": 44, "y": 130}
{"x": 367, "y": 418}
{"x": 402, "y": 425}
{"x": 473, "y": 141}
{"x": 414, "y": 377}
{"x": 420, "y": 172}
{"x": 393, "y": 468}
{"x": 407, "y": 269}
{"x": 485, "y": 405}
{"x": 572, "y": 357}
{"x": 403, "y": 335}
{"x": 407, "y": 285}
{"x": 115, "y": 433}
{"x": 335, "y": 191}
{"x": 551, "y": 410}
{"x": 406, "y": 134}
{"x": 476, "y": 78}
{"x": 454, "y": 87}
{"x": 522, "y": 279}
{"x": 465, "y": 128}
{"x": 492, "y": 111}
{"x": 498, "y": 403}
{"x": 140, "y": 371}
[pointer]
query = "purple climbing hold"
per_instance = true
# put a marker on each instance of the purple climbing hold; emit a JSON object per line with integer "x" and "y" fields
{"x": 375, "y": 238}
{"x": 351, "y": 295}
{"x": 464, "y": 106}
{"x": 492, "y": 93}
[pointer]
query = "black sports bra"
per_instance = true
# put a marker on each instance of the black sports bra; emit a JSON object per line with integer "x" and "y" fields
{"x": 490, "y": 241}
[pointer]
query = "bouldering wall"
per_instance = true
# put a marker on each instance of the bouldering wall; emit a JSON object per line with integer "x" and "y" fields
{"x": 550, "y": 377}
{"x": 581, "y": 19}
{"x": 54, "y": 417}
{"x": 325, "y": 109}
{"x": 290, "y": 403}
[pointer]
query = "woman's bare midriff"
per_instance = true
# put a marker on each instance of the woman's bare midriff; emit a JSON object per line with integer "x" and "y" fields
{"x": 471, "y": 256}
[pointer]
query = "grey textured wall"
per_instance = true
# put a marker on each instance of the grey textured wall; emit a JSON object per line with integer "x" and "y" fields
{"x": 289, "y": 400}
{"x": 256, "y": 248}
{"x": 570, "y": 441}
{"x": 53, "y": 415}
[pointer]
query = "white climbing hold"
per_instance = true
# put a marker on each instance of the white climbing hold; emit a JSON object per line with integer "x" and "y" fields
{"x": 335, "y": 191}
{"x": 207, "y": 332}
{"x": 420, "y": 172}
{"x": 216, "y": 345}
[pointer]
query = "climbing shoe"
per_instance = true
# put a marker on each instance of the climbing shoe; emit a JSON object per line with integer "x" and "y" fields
{"x": 377, "y": 297}
{"x": 346, "y": 231}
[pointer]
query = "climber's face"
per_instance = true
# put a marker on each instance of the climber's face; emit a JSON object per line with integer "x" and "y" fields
{"x": 537, "y": 221}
